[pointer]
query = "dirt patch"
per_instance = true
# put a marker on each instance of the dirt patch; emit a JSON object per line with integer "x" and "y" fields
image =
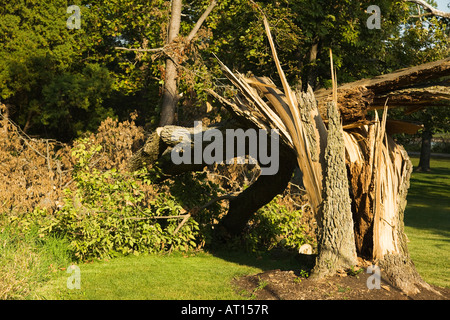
{"x": 290, "y": 285}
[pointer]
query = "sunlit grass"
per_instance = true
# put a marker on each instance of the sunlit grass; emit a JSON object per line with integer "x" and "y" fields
{"x": 427, "y": 222}
{"x": 153, "y": 277}
{"x": 27, "y": 264}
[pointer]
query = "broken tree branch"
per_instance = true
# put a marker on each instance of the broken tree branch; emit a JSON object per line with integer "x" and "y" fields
{"x": 405, "y": 87}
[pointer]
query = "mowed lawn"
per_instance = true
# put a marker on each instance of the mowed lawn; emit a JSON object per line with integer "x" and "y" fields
{"x": 207, "y": 276}
{"x": 152, "y": 277}
{"x": 427, "y": 221}
{"x": 193, "y": 276}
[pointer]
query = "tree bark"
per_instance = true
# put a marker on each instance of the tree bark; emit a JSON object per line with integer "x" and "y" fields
{"x": 170, "y": 91}
{"x": 336, "y": 242}
{"x": 261, "y": 192}
{"x": 425, "y": 151}
{"x": 433, "y": 11}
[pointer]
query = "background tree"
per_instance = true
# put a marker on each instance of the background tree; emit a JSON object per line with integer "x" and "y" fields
{"x": 45, "y": 82}
{"x": 38, "y": 51}
{"x": 423, "y": 38}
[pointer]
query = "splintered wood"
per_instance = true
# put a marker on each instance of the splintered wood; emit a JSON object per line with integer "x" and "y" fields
{"x": 378, "y": 168}
{"x": 378, "y": 172}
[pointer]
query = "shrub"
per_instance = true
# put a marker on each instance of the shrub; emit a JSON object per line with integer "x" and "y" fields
{"x": 84, "y": 193}
{"x": 108, "y": 213}
{"x": 276, "y": 225}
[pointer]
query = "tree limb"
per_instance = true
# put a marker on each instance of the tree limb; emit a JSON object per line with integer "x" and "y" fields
{"x": 431, "y": 9}
{"x": 200, "y": 21}
{"x": 140, "y": 50}
{"x": 189, "y": 38}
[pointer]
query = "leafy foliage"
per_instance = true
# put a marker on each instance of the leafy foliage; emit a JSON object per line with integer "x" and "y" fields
{"x": 40, "y": 78}
{"x": 275, "y": 225}
{"x": 59, "y": 82}
{"x": 108, "y": 214}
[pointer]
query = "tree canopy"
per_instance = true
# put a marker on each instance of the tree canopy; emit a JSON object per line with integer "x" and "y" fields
{"x": 60, "y": 82}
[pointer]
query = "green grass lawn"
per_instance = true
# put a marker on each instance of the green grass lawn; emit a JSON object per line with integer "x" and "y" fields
{"x": 427, "y": 221}
{"x": 160, "y": 277}
{"x": 208, "y": 276}
{"x": 201, "y": 276}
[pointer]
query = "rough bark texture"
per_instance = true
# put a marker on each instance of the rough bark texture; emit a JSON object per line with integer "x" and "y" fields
{"x": 336, "y": 240}
{"x": 170, "y": 93}
{"x": 148, "y": 154}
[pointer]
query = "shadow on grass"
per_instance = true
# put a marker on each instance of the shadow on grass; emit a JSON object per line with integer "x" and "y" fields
{"x": 281, "y": 259}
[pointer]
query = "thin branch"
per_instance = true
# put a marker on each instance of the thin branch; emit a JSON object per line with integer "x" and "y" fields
{"x": 189, "y": 37}
{"x": 194, "y": 211}
{"x": 228, "y": 196}
{"x": 185, "y": 216}
{"x": 200, "y": 21}
{"x": 155, "y": 217}
{"x": 20, "y": 133}
{"x": 140, "y": 50}
{"x": 49, "y": 165}
{"x": 427, "y": 14}
{"x": 182, "y": 223}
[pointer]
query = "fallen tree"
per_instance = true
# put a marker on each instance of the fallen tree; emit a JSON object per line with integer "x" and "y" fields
{"x": 373, "y": 184}
{"x": 426, "y": 85}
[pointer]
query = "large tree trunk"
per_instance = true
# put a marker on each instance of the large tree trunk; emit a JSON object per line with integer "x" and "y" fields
{"x": 336, "y": 240}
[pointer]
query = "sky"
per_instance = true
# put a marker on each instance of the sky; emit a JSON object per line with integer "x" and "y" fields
{"x": 442, "y": 5}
